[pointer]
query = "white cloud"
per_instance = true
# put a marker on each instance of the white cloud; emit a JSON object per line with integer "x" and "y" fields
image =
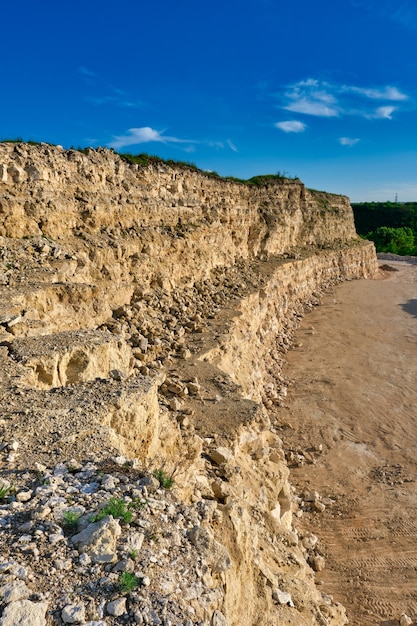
{"x": 384, "y": 93}
{"x": 291, "y": 126}
{"x": 312, "y": 107}
{"x": 348, "y": 141}
{"x": 145, "y": 134}
{"x": 311, "y": 98}
{"x": 323, "y": 99}
{"x": 384, "y": 112}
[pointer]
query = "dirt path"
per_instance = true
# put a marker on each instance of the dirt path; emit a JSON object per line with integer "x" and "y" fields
{"x": 355, "y": 395}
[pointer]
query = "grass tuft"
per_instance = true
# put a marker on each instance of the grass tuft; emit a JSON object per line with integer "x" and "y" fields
{"x": 117, "y": 508}
{"x": 70, "y": 519}
{"x": 128, "y": 582}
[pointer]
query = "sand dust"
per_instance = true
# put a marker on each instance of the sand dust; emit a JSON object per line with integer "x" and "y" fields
{"x": 355, "y": 394}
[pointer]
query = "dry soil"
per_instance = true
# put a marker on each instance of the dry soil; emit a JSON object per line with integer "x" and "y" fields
{"x": 353, "y": 405}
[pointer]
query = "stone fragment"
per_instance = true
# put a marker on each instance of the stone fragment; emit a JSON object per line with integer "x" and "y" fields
{"x": 405, "y": 620}
{"x": 215, "y": 554}
{"x": 108, "y": 482}
{"x": 310, "y": 541}
{"x": 117, "y": 375}
{"x": 194, "y": 388}
{"x": 84, "y": 559}
{"x": 318, "y": 563}
{"x": 218, "y": 619}
{"x": 117, "y": 608}
{"x": 135, "y": 541}
{"x": 175, "y": 404}
{"x": 4, "y": 484}
{"x": 11, "y": 592}
{"x": 73, "y": 613}
{"x": 221, "y": 455}
{"x": 176, "y": 387}
{"x": 282, "y": 597}
{"x": 150, "y": 482}
{"x": 221, "y": 489}
{"x": 311, "y": 497}
{"x": 24, "y": 496}
{"x": 98, "y": 540}
{"x": 17, "y": 319}
{"x": 139, "y": 341}
{"x": 24, "y": 613}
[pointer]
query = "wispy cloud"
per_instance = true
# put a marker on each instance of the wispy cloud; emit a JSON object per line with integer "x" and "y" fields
{"x": 311, "y": 98}
{"x": 114, "y": 95}
{"x": 85, "y": 71}
{"x": 115, "y": 100}
{"x": 322, "y": 99}
{"x": 384, "y": 93}
{"x": 231, "y": 145}
{"x": 145, "y": 134}
{"x": 291, "y": 126}
{"x": 403, "y": 12}
{"x": 348, "y": 141}
{"x": 310, "y": 106}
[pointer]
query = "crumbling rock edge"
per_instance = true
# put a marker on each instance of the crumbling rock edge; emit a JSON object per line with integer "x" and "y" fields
{"x": 146, "y": 315}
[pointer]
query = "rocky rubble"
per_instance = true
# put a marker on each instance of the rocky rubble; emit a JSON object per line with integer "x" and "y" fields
{"x": 104, "y": 543}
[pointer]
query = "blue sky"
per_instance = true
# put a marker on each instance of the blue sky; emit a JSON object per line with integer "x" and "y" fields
{"x": 323, "y": 90}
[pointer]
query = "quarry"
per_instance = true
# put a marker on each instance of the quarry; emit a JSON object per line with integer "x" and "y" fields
{"x": 146, "y": 312}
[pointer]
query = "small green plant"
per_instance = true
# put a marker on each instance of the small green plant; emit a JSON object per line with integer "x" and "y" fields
{"x": 117, "y": 508}
{"x": 128, "y": 582}
{"x": 165, "y": 480}
{"x": 137, "y": 504}
{"x": 70, "y": 519}
{"x": 5, "y": 492}
{"x": 134, "y": 554}
{"x": 152, "y": 533}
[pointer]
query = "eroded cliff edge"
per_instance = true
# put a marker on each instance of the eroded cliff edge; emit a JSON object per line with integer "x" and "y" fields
{"x": 145, "y": 311}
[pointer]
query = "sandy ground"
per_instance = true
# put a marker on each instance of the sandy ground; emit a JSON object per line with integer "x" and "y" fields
{"x": 355, "y": 395}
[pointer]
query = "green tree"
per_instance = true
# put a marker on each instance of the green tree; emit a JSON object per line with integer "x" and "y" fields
{"x": 396, "y": 240}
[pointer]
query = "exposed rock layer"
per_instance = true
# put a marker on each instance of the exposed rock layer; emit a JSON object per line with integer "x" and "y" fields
{"x": 196, "y": 283}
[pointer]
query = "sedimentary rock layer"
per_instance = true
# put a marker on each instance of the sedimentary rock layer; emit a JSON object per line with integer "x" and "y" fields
{"x": 147, "y": 310}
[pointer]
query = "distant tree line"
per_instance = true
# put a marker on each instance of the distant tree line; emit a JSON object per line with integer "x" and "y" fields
{"x": 392, "y": 226}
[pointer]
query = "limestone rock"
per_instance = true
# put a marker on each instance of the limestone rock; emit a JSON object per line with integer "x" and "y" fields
{"x": 282, "y": 597}
{"x": 13, "y": 591}
{"x": 318, "y": 563}
{"x": 117, "y": 607}
{"x": 73, "y": 613}
{"x": 218, "y": 619}
{"x": 216, "y": 555}
{"x": 98, "y": 540}
{"x": 221, "y": 455}
{"x": 24, "y": 613}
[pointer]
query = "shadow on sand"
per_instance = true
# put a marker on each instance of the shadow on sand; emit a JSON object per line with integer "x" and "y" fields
{"x": 410, "y": 307}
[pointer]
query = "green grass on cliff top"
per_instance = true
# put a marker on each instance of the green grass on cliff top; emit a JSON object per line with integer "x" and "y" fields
{"x": 145, "y": 159}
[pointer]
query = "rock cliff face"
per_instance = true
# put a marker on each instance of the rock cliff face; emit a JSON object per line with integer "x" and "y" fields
{"x": 145, "y": 311}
